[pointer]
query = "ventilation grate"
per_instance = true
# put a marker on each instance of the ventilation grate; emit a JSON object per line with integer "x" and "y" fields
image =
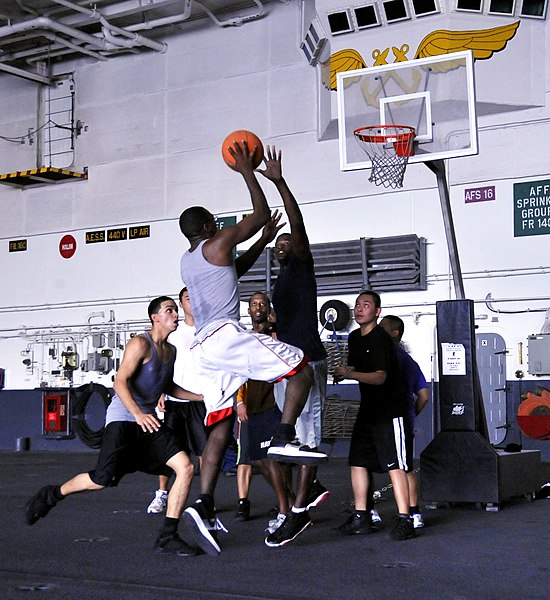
{"x": 388, "y": 264}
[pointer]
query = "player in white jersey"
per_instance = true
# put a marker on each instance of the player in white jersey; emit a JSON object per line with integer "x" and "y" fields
{"x": 184, "y": 419}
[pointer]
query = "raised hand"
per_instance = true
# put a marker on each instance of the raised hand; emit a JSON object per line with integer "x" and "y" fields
{"x": 273, "y": 167}
{"x": 272, "y": 227}
{"x": 243, "y": 156}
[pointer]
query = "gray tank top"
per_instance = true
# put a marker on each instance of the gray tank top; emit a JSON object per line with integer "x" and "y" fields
{"x": 146, "y": 386}
{"x": 213, "y": 290}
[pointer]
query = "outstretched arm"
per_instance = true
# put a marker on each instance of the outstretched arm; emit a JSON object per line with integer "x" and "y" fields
{"x": 244, "y": 262}
{"x": 274, "y": 172}
{"x": 176, "y": 391}
{"x": 219, "y": 248}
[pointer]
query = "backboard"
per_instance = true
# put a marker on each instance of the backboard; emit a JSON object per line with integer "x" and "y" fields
{"x": 435, "y": 95}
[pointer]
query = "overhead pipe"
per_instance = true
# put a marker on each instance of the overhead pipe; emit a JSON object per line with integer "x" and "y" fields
{"x": 44, "y": 23}
{"x": 236, "y": 21}
{"x": 42, "y": 26}
{"x": 26, "y": 9}
{"x": 39, "y": 51}
{"x": 183, "y": 16}
{"x": 162, "y": 22}
{"x": 135, "y": 39}
{"x": 113, "y": 36}
{"x": 25, "y": 74}
{"x": 64, "y": 42}
{"x": 117, "y": 41}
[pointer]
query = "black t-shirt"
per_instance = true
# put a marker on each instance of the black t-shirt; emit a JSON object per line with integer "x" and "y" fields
{"x": 376, "y": 352}
{"x": 295, "y": 302}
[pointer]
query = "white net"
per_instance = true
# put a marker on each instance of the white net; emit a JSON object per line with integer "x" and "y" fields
{"x": 389, "y": 148}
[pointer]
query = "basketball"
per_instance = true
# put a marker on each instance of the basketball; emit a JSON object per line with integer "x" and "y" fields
{"x": 254, "y": 145}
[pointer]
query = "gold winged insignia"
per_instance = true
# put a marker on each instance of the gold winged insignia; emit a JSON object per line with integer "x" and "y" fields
{"x": 482, "y": 42}
{"x": 339, "y": 62}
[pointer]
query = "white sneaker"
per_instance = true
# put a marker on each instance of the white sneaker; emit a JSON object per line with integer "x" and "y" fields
{"x": 418, "y": 521}
{"x": 295, "y": 452}
{"x": 274, "y": 524}
{"x": 158, "y": 504}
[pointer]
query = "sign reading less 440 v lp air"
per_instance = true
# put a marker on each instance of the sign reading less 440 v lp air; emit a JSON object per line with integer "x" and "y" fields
{"x": 120, "y": 233}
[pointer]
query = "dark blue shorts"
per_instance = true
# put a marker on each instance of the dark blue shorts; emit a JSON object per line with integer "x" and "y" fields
{"x": 261, "y": 428}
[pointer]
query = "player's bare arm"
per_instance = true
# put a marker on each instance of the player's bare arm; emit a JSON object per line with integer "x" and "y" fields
{"x": 244, "y": 262}
{"x": 274, "y": 172}
{"x": 176, "y": 391}
{"x": 218, "y": 250}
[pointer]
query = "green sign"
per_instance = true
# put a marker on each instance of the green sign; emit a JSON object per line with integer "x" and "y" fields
{"x": 222, "y": 222}
{"x": 532, "y": 208}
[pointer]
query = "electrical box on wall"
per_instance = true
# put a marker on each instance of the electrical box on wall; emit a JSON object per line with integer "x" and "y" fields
{"x": 538, "y": 346}
{"x": 56, "y": 413}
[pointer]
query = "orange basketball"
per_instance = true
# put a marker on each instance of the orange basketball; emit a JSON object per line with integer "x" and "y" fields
{"x": 254, "y": 145}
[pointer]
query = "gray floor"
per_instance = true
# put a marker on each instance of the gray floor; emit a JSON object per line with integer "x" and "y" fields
{"x": 99, "y": 546}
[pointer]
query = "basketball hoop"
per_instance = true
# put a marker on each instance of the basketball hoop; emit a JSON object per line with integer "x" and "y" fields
{"x": 389, "y": 148}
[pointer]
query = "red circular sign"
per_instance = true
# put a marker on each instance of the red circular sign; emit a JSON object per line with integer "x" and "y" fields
{"x": 67, "y": 246}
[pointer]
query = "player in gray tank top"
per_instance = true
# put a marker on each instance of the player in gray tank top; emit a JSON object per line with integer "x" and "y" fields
{"x": 146, "y": 387}
{"x": 133, "y": 439}
{"x": 226, "y": 354}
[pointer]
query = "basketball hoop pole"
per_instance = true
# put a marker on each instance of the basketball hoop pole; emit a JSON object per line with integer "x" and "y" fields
{"x": 438, "y": 167}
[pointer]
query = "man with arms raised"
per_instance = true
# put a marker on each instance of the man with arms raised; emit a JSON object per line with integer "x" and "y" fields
{"x": 226, "y": 354}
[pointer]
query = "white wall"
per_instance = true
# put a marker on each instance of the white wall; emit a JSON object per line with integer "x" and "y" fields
{"x": 154, "y": 127}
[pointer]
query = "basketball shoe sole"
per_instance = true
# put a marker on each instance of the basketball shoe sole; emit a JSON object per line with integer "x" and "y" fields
{"x": 196, "y": 533}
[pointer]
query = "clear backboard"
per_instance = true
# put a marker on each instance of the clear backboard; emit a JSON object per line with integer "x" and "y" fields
{"x": 435, "y": 95}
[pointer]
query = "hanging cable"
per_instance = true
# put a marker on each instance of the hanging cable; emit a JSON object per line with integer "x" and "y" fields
{"x": 80, "y": 398}
{"x": 20, "y": 139}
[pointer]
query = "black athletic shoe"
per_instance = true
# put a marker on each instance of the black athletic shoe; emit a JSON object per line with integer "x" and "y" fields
{"x": 403, "y": 529}
{"x": 243, "y": 510}
{"x": 357, "y": 524}
{"x": 292, "y": 527}
{"x": 199, "y": 527}
{"x": 317, "y": 494}
{"x": 173, "y": 544}
{"x": 294, "y": 452}
{"x": 40, "y": 504}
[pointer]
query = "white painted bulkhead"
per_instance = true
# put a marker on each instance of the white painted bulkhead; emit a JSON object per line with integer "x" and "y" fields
{"x": 153, "y": 128}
